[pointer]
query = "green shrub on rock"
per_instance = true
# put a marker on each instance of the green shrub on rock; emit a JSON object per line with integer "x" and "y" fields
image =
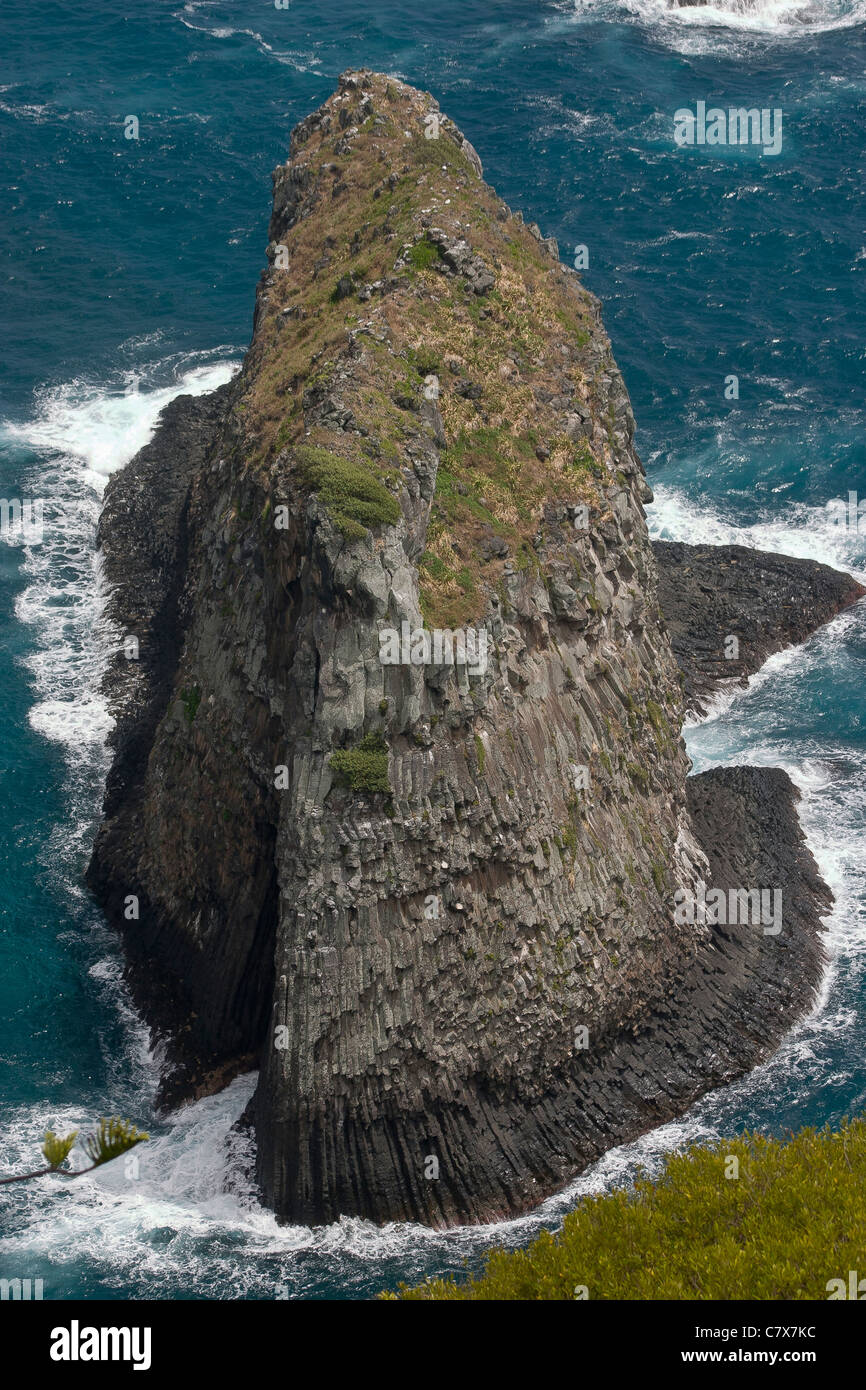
{"x": 354, "y": 497}
{"x": 365, "y": 768}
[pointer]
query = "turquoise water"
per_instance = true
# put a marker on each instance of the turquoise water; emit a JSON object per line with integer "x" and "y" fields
{"x": 129, "y": 270}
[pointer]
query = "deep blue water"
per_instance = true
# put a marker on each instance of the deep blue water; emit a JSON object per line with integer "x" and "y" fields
{"x": 128, "y": 274}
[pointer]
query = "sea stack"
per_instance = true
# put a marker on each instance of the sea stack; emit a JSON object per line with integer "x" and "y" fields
{"x": 430, "y": 899}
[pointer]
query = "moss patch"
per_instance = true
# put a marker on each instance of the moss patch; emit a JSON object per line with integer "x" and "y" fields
{"x": 424, "y": 254}
{"x": 479, "y": 753}
{"x": 191, "y": 699}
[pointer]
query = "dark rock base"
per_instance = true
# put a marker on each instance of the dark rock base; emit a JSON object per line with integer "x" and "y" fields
{"x": 728, "y": 1013}
{"x": 709, "y": 593}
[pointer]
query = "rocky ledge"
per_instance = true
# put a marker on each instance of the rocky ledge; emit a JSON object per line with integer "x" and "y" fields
{"x": 431, "y": 899}
{"x": 711, "y": 594}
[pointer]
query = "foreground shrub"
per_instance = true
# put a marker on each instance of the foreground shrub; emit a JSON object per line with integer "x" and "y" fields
{"x": 789, "y": 1217}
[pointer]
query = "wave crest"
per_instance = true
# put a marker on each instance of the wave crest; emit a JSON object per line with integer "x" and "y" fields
{"x": 698, "y": 28}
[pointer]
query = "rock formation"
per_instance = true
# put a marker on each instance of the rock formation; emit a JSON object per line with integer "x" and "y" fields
{"x": 710, "y": 593}
{"x": 430, "y": 899}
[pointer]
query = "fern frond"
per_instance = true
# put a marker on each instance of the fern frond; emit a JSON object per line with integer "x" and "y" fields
{"x": 56, "y": 1150}
{"x": 112, "y": 1138}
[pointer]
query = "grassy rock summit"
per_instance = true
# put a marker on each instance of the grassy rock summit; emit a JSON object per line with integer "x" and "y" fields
{"x": 430, "y": 899}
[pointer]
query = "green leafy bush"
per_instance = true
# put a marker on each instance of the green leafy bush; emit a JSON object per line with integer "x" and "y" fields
{"x": 355, "y": 498}
{"x": 746, "y": 1218}
{"x": 365, "y": 768}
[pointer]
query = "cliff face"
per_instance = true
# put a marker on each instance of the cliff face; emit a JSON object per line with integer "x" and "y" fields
{"x": 427, "y": 899}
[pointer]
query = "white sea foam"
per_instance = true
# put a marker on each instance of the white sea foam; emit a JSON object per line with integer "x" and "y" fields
{"x": 771, "y": 17}
{"x": 100, "y": 428}
{"x": 797, "y": 529}
{"x": 730, "y": 690}
{"x": 80, "y": 433}
{"x": 723, "y": 27}
{"x": 299, "y": 61}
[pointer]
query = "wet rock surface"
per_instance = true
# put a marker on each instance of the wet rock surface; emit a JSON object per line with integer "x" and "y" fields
{"x": 711, "y": 593}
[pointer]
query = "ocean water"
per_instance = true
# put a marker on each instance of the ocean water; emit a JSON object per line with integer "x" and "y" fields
{"x": 129, "y": 269}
